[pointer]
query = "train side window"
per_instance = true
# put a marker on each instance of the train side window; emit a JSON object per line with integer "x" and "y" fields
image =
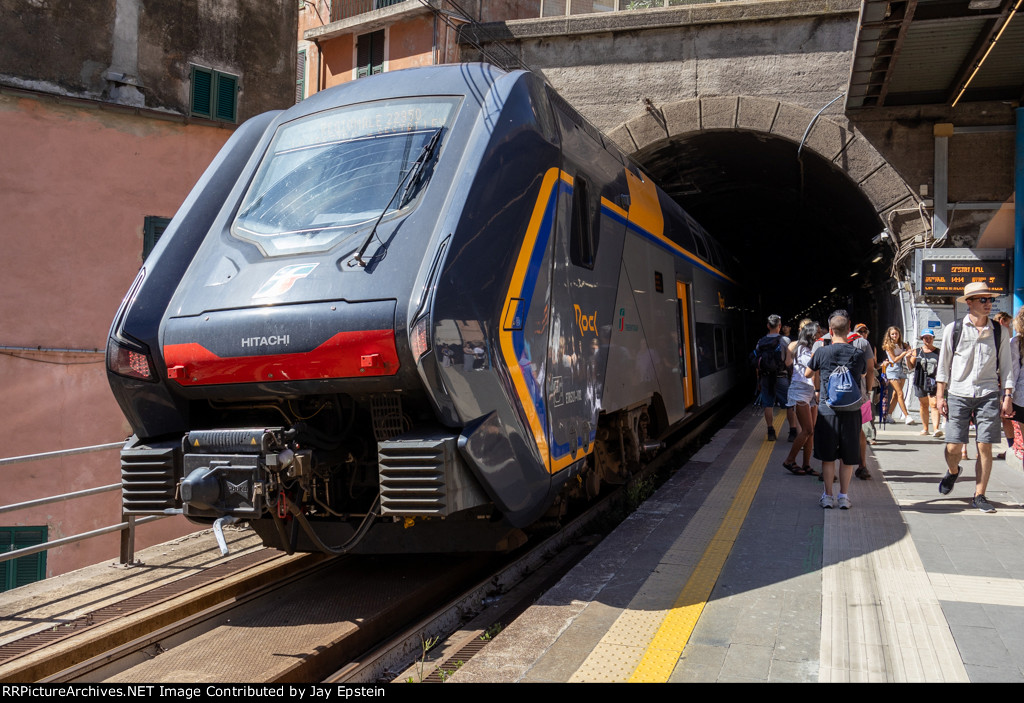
{"x": 719, "y": 347}
{"x": 585, "y": 222}
{"x": 702, "y": 248}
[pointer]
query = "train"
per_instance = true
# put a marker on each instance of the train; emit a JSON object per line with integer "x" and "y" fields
{"x": 422, "y": 311}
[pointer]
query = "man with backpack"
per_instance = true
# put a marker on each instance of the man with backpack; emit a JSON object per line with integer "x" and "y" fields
{"x": 974, "y": 383}
{"x": 772, "y": 362}
{"x": 837, "y": 369}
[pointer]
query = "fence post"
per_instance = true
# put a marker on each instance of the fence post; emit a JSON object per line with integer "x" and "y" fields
{"x": 128, "y": 540}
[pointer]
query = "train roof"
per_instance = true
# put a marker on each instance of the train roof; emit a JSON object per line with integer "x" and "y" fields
{"x": 473, "y": 80}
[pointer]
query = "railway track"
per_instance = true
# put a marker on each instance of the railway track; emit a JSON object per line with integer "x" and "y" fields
{"x": 269, "y": 617}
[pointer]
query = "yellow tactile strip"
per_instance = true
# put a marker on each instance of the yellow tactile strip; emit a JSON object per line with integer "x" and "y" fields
{"x": 645, "y": 642}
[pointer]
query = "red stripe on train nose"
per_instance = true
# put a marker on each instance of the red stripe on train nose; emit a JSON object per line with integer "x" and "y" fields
{"x": 341, "y": 356}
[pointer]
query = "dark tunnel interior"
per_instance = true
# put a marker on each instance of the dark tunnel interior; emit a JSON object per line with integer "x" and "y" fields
{"x": 800, "y": 230}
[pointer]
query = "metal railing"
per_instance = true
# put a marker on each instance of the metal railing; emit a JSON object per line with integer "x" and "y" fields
{"x": 556, "y": 8}
{"x": 126, "y": 527}
{"x": 343, "y": 9}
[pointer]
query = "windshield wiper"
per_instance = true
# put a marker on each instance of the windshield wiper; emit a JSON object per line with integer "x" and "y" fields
{"x": 412, "y": 176}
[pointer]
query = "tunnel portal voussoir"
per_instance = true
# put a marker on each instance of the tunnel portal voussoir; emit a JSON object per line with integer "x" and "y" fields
{"x": 831, "y": 139}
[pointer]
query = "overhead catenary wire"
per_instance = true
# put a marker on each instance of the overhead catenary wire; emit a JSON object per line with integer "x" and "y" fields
{"x": 511, "y": 62}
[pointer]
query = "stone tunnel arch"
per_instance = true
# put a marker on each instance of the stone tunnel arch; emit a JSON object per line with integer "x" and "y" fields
{"x": 831, "y": 139}
{"x": 831, "y": 143}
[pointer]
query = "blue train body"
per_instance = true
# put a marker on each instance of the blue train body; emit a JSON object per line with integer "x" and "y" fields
{"x": 420, "y": 311}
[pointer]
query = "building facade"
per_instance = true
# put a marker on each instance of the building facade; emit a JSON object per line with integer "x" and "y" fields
{"x": 343, "y": 40}
{"x": 110, "y": 111}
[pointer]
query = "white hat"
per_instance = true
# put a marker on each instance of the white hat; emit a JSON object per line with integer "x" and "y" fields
{"x": 973, "y": 289}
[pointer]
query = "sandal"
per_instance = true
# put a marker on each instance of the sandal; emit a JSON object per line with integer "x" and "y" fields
{"x": 794, "y": 469}
{"x": 808, "y": 471}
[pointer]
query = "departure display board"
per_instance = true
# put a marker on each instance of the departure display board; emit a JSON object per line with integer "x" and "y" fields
{"x": 947, "y": 277}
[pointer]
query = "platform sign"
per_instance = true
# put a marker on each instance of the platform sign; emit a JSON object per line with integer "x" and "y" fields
{"x": 947, "y": 277}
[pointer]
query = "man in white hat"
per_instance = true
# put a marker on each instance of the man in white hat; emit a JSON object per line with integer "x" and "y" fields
{"x": 974, "y": 384}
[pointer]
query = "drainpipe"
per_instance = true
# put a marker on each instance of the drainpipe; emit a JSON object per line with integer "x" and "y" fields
{"x": 319, "y": 62}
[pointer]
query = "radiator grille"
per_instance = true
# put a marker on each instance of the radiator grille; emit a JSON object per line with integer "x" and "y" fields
{"x": 412, "y": 477}
{"x": 149, "y": 479}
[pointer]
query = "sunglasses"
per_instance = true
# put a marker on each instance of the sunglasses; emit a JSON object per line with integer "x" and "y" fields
{"x": 983, "y": 301}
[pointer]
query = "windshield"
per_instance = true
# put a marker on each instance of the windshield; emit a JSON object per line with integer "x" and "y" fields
{"x": 327, "y": 174}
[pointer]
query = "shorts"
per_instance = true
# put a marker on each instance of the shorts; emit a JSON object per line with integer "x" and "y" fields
{"x": 896, "y": 372}
{"x": 985, "y": 413}
{"x": 838, "y": 437}
{"x": 779, "y": 396}
{"x": 800, "y": 394}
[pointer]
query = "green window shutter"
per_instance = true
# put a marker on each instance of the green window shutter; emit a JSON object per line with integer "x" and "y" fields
{"x": 214, "y": 94}
{"x": 227, "y": 97}
{"x": 202, "y": 92}
{"x": 154, "y": 228}
{"x": 370, "y": 54}
{"x": 23, "y": 570}
{"x": 300, "y": 77}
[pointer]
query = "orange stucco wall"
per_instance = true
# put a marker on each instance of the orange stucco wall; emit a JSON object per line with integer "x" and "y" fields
{"x": 76, "y": 183}
{"x": 339, "y": 60}
{"x": 411, "y": 43}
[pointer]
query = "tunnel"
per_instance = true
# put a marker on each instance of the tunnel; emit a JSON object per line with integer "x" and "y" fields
{"x": 805, "y": 238}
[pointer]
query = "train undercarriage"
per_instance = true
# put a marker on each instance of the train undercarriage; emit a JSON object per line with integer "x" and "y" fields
{"x": 339, "y": 474}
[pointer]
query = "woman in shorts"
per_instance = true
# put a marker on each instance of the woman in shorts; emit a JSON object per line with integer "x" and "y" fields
{"x": 924, "y": 362}
{"x": 801, "y": 399}
{"x": 896, "y": 351}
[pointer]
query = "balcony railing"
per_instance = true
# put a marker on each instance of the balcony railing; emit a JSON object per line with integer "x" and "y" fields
{"x": 343, "y": 9}
{"x": 554, "y": 8}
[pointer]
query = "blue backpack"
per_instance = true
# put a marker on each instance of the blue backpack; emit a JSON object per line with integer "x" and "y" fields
{"x": 842, "y": 392}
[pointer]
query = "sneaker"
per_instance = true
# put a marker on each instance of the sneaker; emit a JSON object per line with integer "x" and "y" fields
{"x": 792, "y": 433}
{"x": 946, "y": 484}
{"x": 844, "y": 502}
{"x": 827, "y": 502}
{"x": 937, "y": 433}
{"x": 771, "y": 434}
{"x": 981, "y": 503}
{"x": 862, "y": 473}
{"x": 909, "y": 420}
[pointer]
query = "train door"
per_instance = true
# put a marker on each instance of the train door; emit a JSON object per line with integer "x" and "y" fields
{"x": 575, "y": 321}
{"x": 683, "y": 318}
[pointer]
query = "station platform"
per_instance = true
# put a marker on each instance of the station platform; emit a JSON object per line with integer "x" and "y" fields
{"x": 732, "y": 572}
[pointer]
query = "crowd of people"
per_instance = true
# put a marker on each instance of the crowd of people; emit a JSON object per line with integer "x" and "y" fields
{"x": 825, "y": 379}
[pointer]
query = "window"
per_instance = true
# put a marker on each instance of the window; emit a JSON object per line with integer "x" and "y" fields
{"x": 370, "y": 54}
{"x": 585, "y": 223}
{"x": 214, "y": 94}
{"x": 327, "y": 175}
{"x": 154, "y": 229}
{"x": 23, "y": 570}
{"x": 300, "y": 77}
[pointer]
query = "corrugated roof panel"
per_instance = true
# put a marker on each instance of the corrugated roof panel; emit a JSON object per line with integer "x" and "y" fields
{"x": 932, "y": 54}
{"x": 1004, "y": 65}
